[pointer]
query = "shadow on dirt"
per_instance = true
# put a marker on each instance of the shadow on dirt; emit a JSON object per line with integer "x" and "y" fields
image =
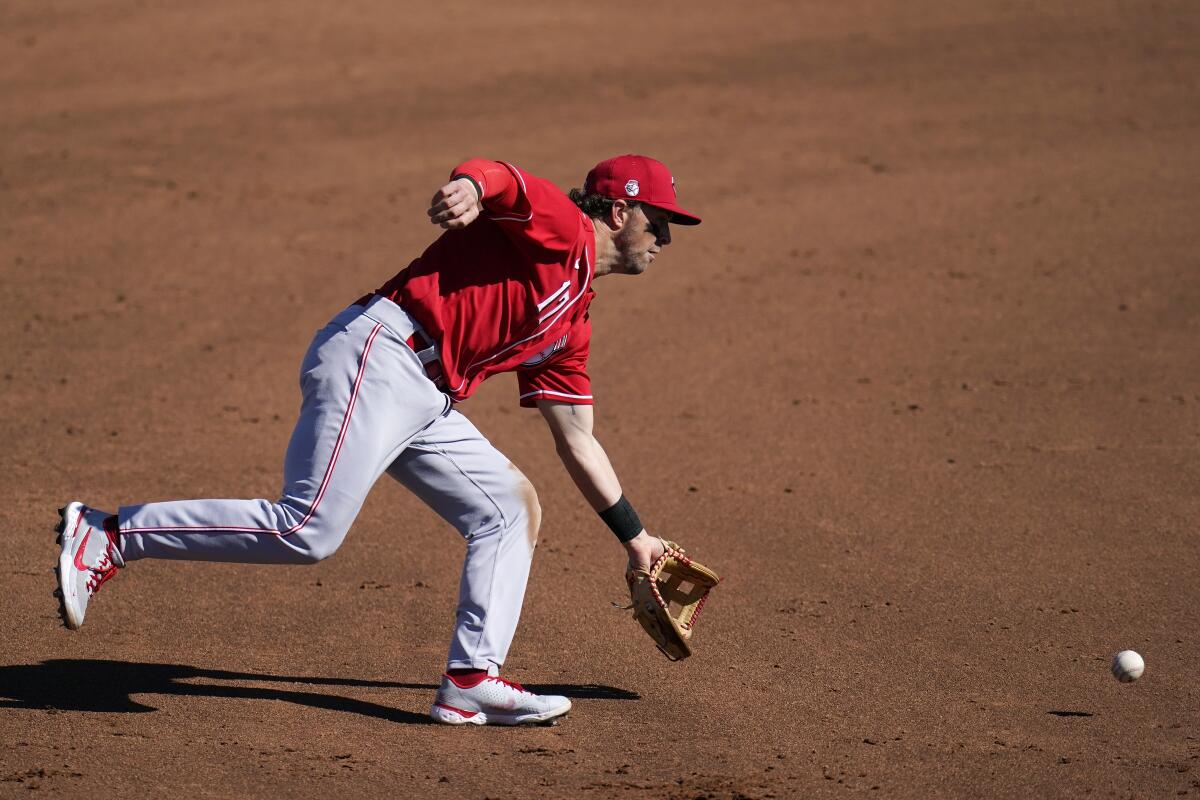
{"x": 108, "y": 686}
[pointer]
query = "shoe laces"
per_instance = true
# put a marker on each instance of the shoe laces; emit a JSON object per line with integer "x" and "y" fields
{"x": 101, "y": 573}
{"x": 510, "y": 684}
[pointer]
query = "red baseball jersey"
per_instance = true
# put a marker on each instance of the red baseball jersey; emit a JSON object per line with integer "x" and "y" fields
{"x": 509, "y": 292}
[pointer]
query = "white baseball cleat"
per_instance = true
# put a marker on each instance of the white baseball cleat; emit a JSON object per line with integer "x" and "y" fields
{"x": 88, "y": 559}
{"x": 494, "y": 701}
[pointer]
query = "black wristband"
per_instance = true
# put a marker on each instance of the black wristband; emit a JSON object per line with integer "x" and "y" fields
{"x": 622, "y": 520}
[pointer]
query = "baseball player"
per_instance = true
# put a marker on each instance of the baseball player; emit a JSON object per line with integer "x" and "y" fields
{"x": 506, "y": 287}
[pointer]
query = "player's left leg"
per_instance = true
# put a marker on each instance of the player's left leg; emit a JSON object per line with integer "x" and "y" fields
{"x": 364, "y": 393}
{"x": 474, "y": 487}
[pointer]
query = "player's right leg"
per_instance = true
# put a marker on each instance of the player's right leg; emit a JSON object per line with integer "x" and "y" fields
{"x": 365, "y": 395}
{"x": 474, "y": 487}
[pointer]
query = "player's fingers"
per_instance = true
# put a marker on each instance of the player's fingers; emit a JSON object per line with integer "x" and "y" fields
{"x": 449, "y": 209}
{"x": 444, "y": 197}
{"x": 454, "y": 205}
{"x": 461, "y": 221}
{"x": 461, "y": 203}
{"x": 451, "y": 195}
{"x": 442, "y": 211}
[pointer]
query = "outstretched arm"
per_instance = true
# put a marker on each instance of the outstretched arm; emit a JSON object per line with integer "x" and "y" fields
{"x": 588, "y": 465}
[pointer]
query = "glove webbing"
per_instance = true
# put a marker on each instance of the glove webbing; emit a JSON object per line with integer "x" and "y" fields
{"x": 656, "y": 568}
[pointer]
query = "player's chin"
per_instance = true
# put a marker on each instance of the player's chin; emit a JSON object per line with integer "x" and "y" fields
{"x": 636, "y": 266}
{"x": 630, "y": 268}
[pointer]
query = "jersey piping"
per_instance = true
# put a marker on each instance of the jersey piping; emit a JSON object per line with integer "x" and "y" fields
{"x": 556, "y": 394}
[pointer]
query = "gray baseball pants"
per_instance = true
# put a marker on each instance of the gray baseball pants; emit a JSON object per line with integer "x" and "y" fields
{"x": 368, "y": 407}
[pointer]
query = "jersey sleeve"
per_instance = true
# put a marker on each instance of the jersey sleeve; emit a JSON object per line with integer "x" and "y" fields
{"x": 562, "y": 377}
{"x": 532, "y": 211}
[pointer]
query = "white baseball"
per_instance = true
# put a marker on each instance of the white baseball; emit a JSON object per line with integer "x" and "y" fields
{"x": 1127, "y": 666}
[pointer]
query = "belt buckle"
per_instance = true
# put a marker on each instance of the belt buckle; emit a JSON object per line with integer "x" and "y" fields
{"x": 424, "y": 347}
{"x": 426, "y": 351}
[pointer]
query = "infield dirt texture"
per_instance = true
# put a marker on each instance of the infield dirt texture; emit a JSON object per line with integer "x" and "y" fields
{"x": 924, "y": 388}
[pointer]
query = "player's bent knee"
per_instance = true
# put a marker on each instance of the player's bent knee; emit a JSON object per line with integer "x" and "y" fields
{"x": 317, "y": 552}
{"x": 510, "y": 506}
{"x": 318, "y": 542}
{"x": 530, "y": 508}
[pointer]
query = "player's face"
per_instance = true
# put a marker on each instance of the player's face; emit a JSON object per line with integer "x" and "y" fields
{"x": 645, "y": 233}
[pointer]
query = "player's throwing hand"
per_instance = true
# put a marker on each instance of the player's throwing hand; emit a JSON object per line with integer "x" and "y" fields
{"x": 455, "y": 205}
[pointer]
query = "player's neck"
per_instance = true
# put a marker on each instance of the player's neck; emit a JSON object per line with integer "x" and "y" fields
{"x": 606, "y": 250}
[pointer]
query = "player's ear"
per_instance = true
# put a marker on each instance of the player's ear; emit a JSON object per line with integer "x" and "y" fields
{"x": 619, "y": 215}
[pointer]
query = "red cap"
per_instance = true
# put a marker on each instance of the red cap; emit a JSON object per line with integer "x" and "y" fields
{"x": 638, "y": 178}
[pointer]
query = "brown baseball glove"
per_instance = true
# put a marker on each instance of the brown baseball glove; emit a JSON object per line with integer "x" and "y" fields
{"x": 667, "y": 599}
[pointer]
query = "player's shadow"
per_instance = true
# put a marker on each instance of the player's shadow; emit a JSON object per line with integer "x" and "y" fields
{"x": 94, "y": 685}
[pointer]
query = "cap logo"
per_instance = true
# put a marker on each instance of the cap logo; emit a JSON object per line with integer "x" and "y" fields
{"x": 632, "y": 188}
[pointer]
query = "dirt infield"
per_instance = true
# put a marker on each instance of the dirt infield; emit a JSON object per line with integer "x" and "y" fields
{"x": 924, "y": 387}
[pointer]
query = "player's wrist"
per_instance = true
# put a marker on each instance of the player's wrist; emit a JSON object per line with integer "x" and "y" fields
{"x": 623, "y": 521}
{"x": 642, "y": 550}
{"x": 641, "y": 543}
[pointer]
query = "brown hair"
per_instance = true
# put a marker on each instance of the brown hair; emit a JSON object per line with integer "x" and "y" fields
{"x": 594, "y": 205}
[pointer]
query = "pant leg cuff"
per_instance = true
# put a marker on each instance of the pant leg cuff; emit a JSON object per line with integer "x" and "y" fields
{"x": 492, "y": 668}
